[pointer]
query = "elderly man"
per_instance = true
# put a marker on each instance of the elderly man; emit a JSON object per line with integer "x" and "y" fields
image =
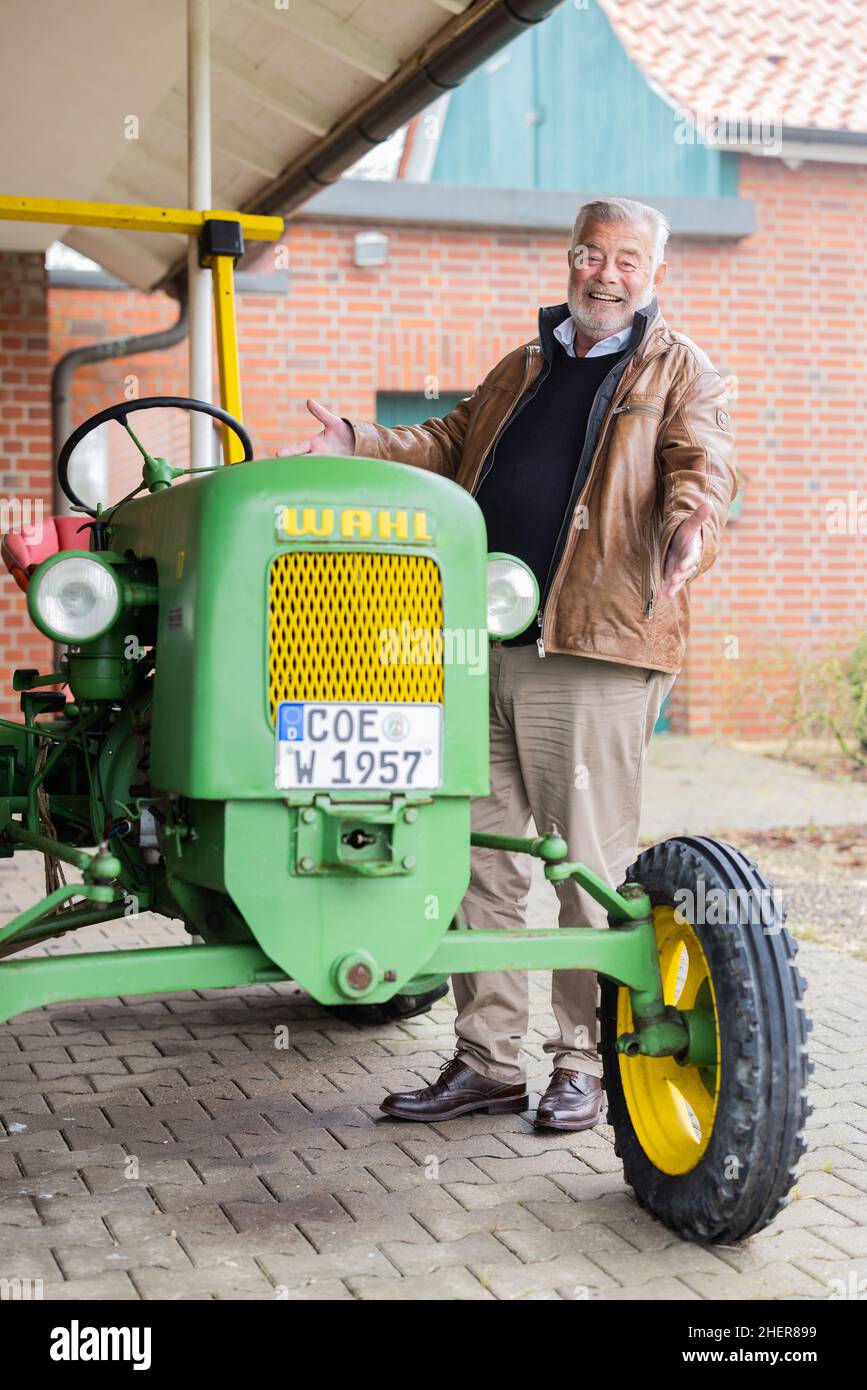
{"x": 600, "y": 453}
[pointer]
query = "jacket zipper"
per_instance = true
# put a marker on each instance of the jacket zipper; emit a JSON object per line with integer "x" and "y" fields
{"x": 638, "y": 410}
{"x": 649, "y": 584}
{"x": 481, "y": 473}
{"x": 567, "y": 521}
{"x": 515, "y": 409}
{"x": 540, "y": 616}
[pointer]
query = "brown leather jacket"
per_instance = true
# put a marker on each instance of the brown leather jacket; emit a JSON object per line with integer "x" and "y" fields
{"x": 658, "y": 443}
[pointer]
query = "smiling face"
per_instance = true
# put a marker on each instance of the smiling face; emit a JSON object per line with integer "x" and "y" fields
{"x": 610, "y": 276}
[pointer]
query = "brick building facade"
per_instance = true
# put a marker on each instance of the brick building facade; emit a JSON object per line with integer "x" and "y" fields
{"x": 779, "y": 311}
{"x": 25, "y": 445}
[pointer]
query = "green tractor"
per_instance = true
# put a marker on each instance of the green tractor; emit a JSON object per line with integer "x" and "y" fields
{"x": 271, "y": 722}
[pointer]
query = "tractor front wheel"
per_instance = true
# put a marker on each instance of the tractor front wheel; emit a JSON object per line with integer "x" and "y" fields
{"x": 712, "y": 1149}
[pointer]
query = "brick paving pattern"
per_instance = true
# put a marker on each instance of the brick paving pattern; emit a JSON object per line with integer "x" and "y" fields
{"x": 228, "y": 1144}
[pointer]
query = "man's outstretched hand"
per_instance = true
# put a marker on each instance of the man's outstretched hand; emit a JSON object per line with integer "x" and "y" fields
{"x": 336, "y": 438}
{"x": 684, "y": 552}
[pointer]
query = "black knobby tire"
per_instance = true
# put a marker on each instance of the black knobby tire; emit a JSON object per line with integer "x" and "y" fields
{"x": 761, "y": 1104}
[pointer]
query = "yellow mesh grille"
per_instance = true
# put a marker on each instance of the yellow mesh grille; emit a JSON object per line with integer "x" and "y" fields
{"x": 334, "y": 616}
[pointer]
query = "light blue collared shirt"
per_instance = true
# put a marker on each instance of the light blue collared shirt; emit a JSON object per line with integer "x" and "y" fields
{"x": 565, "y": 334}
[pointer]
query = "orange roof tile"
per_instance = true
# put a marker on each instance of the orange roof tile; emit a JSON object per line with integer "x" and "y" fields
{"x": 802, "y": 65}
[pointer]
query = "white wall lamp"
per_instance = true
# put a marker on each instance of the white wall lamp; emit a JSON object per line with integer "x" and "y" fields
{"x": 370, "y": 249}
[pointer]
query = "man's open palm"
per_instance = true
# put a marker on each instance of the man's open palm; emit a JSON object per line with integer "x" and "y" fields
{"x": 336, "y": 438}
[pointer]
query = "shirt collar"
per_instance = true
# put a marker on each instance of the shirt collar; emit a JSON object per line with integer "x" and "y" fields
{"x": 565, "y": 333}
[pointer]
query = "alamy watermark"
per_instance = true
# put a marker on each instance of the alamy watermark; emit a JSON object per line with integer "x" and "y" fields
{"x": 83, "y": 1343}
{"x": 721, "y": 907}
{"x": 20, "y": 1290}
{"x": 849, "y": 1288}
{"x": 25, "y": 515}
{"x": 846, "y": 516}
{"x": 757, "y": 131}
{"x": 438, "y": 646}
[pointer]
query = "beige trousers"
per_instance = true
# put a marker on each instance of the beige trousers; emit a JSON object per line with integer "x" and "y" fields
{"x": 568, "y": 741}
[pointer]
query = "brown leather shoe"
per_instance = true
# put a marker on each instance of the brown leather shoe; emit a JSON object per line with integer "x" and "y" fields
{"x": 573, "y": 1100}
{"x": 456, "y": 1091}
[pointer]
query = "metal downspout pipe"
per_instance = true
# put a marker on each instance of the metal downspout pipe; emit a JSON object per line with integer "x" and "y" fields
{"x": 67, "y": 366}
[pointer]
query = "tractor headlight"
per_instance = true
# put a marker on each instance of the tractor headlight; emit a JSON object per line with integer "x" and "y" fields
{"x": 74, "y": 597}
{"x": 513, "y": 596}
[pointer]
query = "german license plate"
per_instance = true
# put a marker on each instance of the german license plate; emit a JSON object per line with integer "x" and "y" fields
{"x": 329, "y": 744}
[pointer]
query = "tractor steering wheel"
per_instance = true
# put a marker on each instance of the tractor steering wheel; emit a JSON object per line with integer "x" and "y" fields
{"x": 120, "y": 412}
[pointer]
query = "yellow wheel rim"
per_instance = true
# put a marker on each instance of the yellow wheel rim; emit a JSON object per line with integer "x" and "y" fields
{"x": 672, "y": 1107}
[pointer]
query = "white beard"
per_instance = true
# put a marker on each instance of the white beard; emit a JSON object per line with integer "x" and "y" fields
{"x": 589, "y": 325}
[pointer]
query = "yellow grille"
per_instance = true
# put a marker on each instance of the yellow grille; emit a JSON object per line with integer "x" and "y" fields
{"x": 355, "y": 625}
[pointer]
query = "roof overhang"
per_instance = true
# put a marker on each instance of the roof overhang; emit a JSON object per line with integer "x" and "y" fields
{"x": 510, "y": 209}
{"x": 97, "y": 96}
{"x": 797, "y": 144}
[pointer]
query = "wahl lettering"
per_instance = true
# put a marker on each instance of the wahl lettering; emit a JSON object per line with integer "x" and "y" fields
{"x": 321, "y": 522}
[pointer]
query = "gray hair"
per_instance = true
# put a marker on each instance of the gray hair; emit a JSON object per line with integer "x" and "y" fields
{"x": 615, "y": 210}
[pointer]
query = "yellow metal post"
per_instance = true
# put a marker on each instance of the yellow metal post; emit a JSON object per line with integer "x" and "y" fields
{"x": 223, "y": 275}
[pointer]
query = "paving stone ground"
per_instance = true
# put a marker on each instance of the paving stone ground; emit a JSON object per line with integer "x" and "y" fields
{"x": 169, "y": 1148}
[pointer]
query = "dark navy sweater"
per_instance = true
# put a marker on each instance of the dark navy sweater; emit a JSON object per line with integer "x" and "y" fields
{"x": 527, "y": 489}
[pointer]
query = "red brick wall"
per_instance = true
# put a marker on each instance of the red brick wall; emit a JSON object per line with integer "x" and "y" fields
{"x": 781, "y": 312}
{"x": 80, "y": 317}
{"x": 784, "y": 312}
{"x": 25, "y": 445}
